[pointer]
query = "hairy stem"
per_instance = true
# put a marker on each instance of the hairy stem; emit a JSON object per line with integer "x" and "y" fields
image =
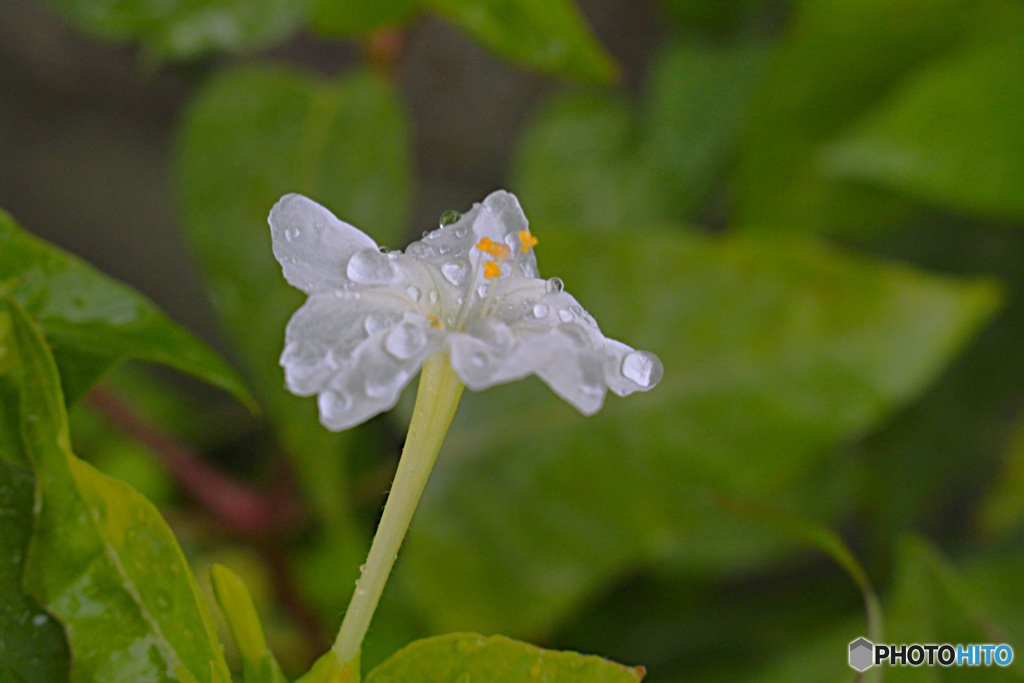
{"x": 436, "y": 401}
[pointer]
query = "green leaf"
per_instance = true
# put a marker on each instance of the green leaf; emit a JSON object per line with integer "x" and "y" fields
{"x": 471, "y": 657}
{"x": 187, "y": 29}
{"x": 1002, "y": 511}
{"x": 579, "y": 160}
{"x": 838, "y": 59}
{"x": 94, "y": 322}
{"x": 550, "y": 35}
{"x": 101, "y": 558}
{"x": 695, "y": 100}
{"x": 932, "y": 603}
{"x": 258, "y": 663}
{"x": 952, "y": 136}
{"x": 775, "y": 351}
{"x": 252, "y": 135}
{"x": 32, "y": 643}
{"x": 355, "y": 17}
{"x": 591, "y": 157}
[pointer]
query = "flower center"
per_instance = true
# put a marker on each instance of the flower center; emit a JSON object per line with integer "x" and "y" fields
{"x": 492, "y": 270}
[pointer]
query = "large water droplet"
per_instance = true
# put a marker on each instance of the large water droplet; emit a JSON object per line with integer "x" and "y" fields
{"x": 370, "y": 267}
{"x": 292, "y": 234}
{"x": 541, "y": 311}
{"x": 375, "y": 322}
{"x": 643, "y": 368}
{"x": 448, "y": 217}
{"x": 405, "y": 341}
{"x": 554, "y": 285}
{"x": 455, "y": 272}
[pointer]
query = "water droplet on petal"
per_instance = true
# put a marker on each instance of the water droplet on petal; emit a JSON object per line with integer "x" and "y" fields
{"x": 333, "y": 404}
{"x": 541, "y": 311}
{"x": 554, "y": 285}
{"x": 405, "y": 341}
{"x": 478, "y": 360}
{"x": 291, "y": 234}
{"x": 375, "y": 322}
{"x": 481, "y": 291}
{"x": 565, "y": 316}
{"x": 455, "y": 272}
{"x": 370, "y": 267}
{"x": 419, "y": 250}
{"x": 433, "y": 296}
{"x": 384, "y": 250}
{"x": 443, "y": 249}
{"x": 448, "y": 217}
{"x": 414, "y": 293}
{"x": 643, "y": 368}
{"x": 460, "y": 233}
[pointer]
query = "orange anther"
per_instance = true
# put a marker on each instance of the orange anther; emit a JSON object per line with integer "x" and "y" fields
{"x": 491, "y": 270}
{"x": 489, "y": 246}
{"x": 526, "y": 240}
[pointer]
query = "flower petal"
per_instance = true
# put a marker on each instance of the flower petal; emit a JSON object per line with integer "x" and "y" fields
{"x": 357, "y": 350}
{"x": 544, "y": 331}
{"x": 312, "y": 245}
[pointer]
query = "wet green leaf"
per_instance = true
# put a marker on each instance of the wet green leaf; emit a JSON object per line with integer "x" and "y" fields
{"x": 550, "y": 35}
{"x": 101, "y": 558}
{"x": 258, "y": 663}
{"x": 837, "y": 61}
{"x": 94, "y": 322}
{"x": 953, "y": 135}
{"x": 774, "y": 351}
{"x": 471, "y": 657}
{"x": 32, "y": 644}
{"x": 187, "y": 28}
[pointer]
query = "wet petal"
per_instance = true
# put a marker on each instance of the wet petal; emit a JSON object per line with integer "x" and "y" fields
{"x": 312, "y": 245}
{"x": 357, "y": 350}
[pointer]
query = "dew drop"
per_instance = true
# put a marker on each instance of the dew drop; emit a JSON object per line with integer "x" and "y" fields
{"x": 454, "y": 272}
{"x": 375, "y": 322}
{"x": 433, "y": 296}
{"x": 291, "y": 234}
{"x": 443, "y": 249}
{"x": 40, "y": 620}
{"x": 362, "y": 568}
{"x": 460, "y": 232}
{"x": 481, "y": 291}
{"x": 565, "y": 316}
{"x": 419, "y": 250}
{"x": 384, "y": 250}
{"x": 478, "y": 360}
{"x": 333, "y": 404}
{"x": 370, "y": 267}
{"x": 360, "y": 591}
{"x": 414, "y": 293}
{"x": 643, "y": 368}
{"x": 541, "y": 311}
{"x": 577, "y": 309}
{"x": 405, "y": 341}
{"x": 425, "y": 233}
{"x": 448, "y": 217}
{"x": 554, "y": 285}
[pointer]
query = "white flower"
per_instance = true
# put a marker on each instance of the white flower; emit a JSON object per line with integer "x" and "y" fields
{"x": 470, "y": 289}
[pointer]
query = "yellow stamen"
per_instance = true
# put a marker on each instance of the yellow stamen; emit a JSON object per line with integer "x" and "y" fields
{"x": 526, "y": 240}
{"x": 489, "y": 246}
{"x": 434, "y": 321}
{"x": 491, "y": 270}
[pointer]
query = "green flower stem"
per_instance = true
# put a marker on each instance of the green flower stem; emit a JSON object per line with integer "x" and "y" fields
{"x": 436, "y": 401}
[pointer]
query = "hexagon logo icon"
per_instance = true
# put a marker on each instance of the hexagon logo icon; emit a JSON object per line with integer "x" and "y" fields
{"x": 862, "y": 654}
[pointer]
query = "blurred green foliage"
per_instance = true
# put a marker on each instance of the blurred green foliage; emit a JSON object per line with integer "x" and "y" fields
{"x": 810, "y": 210}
